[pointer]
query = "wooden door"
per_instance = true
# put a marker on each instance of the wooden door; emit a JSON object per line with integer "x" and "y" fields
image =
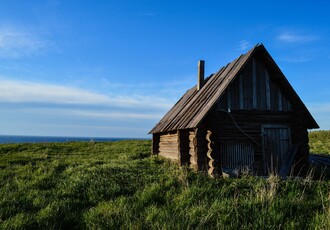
{"x": 276, "y": 140}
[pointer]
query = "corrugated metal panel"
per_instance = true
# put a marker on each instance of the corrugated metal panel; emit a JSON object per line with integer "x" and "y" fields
{"x": 236, "y": 154}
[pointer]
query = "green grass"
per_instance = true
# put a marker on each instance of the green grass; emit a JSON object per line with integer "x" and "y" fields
{"x": 319, "y": 142}
{"x": 119, "y": 185}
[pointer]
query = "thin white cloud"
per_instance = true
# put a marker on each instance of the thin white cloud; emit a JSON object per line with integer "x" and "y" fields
{"x": 28, "y": 92}
{"x": 94, "y": 113}
{"x": 85, "y": 130}
{"x": 291, "y": 37}
{"x": 244, "y": 45}
{"x": 17, "y": 42}
{"x": 184, "y": 82}
{"x": 20, "y": 91}
{"x": 117, "y": 115}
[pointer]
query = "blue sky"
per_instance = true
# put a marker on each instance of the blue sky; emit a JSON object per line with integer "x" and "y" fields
{"x": 114, "y": 68}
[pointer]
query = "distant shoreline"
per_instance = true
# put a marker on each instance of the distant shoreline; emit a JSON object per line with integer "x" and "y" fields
{"x": 15, "y": 139}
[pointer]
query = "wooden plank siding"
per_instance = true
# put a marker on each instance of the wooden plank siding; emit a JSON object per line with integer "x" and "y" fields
{"x": 276, "y": 141}
{"x": 266, "y": 94}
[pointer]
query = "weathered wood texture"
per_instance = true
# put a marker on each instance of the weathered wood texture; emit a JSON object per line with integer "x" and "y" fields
{"x": 255, "y": 89}
{"x": 201, "y": 149}
{"x": 276, "y": 141}
{"x": 226, "y": 146}
{"x": 237, "y": 153}
{"x": 198, "y": 149}
{"x": 251, "y": 123}
{"x": 184, "y": 148}
{"x": 155, "y": 144}
{"x": 299, "y": 136}
{"x": 193, "y": 150}
{"x": 213, "y": 158}
{"x": 168, "y": 146}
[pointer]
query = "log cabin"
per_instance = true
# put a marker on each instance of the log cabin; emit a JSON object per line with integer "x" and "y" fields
{"x": 245, "y": 117}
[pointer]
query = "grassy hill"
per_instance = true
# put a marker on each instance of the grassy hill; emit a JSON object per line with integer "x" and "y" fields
{"x": 119, "y": 186}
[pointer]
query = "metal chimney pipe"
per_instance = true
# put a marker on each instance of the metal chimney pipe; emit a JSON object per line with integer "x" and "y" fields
{"x": 200, "y": 79}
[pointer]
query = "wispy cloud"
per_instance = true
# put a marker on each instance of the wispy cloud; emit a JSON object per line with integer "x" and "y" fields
{"x": 94, "y": 113}
{"x": 39, "y": 103}
{"x": 29, "y": 92}
{"x": 17, "y": 42}
{"x": 20, "y": 91}
{"x": 244, "y": 45}
{"x": 291, "y": 37}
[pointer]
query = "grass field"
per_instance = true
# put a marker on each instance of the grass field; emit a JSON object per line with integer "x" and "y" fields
{"x": 319, "y": 142}
{"x": 119, "y": 186}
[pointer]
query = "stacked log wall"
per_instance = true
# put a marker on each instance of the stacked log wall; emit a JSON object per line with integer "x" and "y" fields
{"x": 168, "y": 146}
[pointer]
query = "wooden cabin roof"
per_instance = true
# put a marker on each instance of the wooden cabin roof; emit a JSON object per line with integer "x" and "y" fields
{"x": 194, "y": 105}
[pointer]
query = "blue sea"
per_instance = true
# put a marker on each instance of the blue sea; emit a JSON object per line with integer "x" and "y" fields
{"x": 46, "y": 139}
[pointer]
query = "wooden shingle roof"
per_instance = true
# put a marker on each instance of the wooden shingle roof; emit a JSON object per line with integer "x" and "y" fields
{"x": 194, "y": 105}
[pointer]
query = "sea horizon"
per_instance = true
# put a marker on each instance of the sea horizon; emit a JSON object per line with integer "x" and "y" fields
{"x": 14, "y": 139}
